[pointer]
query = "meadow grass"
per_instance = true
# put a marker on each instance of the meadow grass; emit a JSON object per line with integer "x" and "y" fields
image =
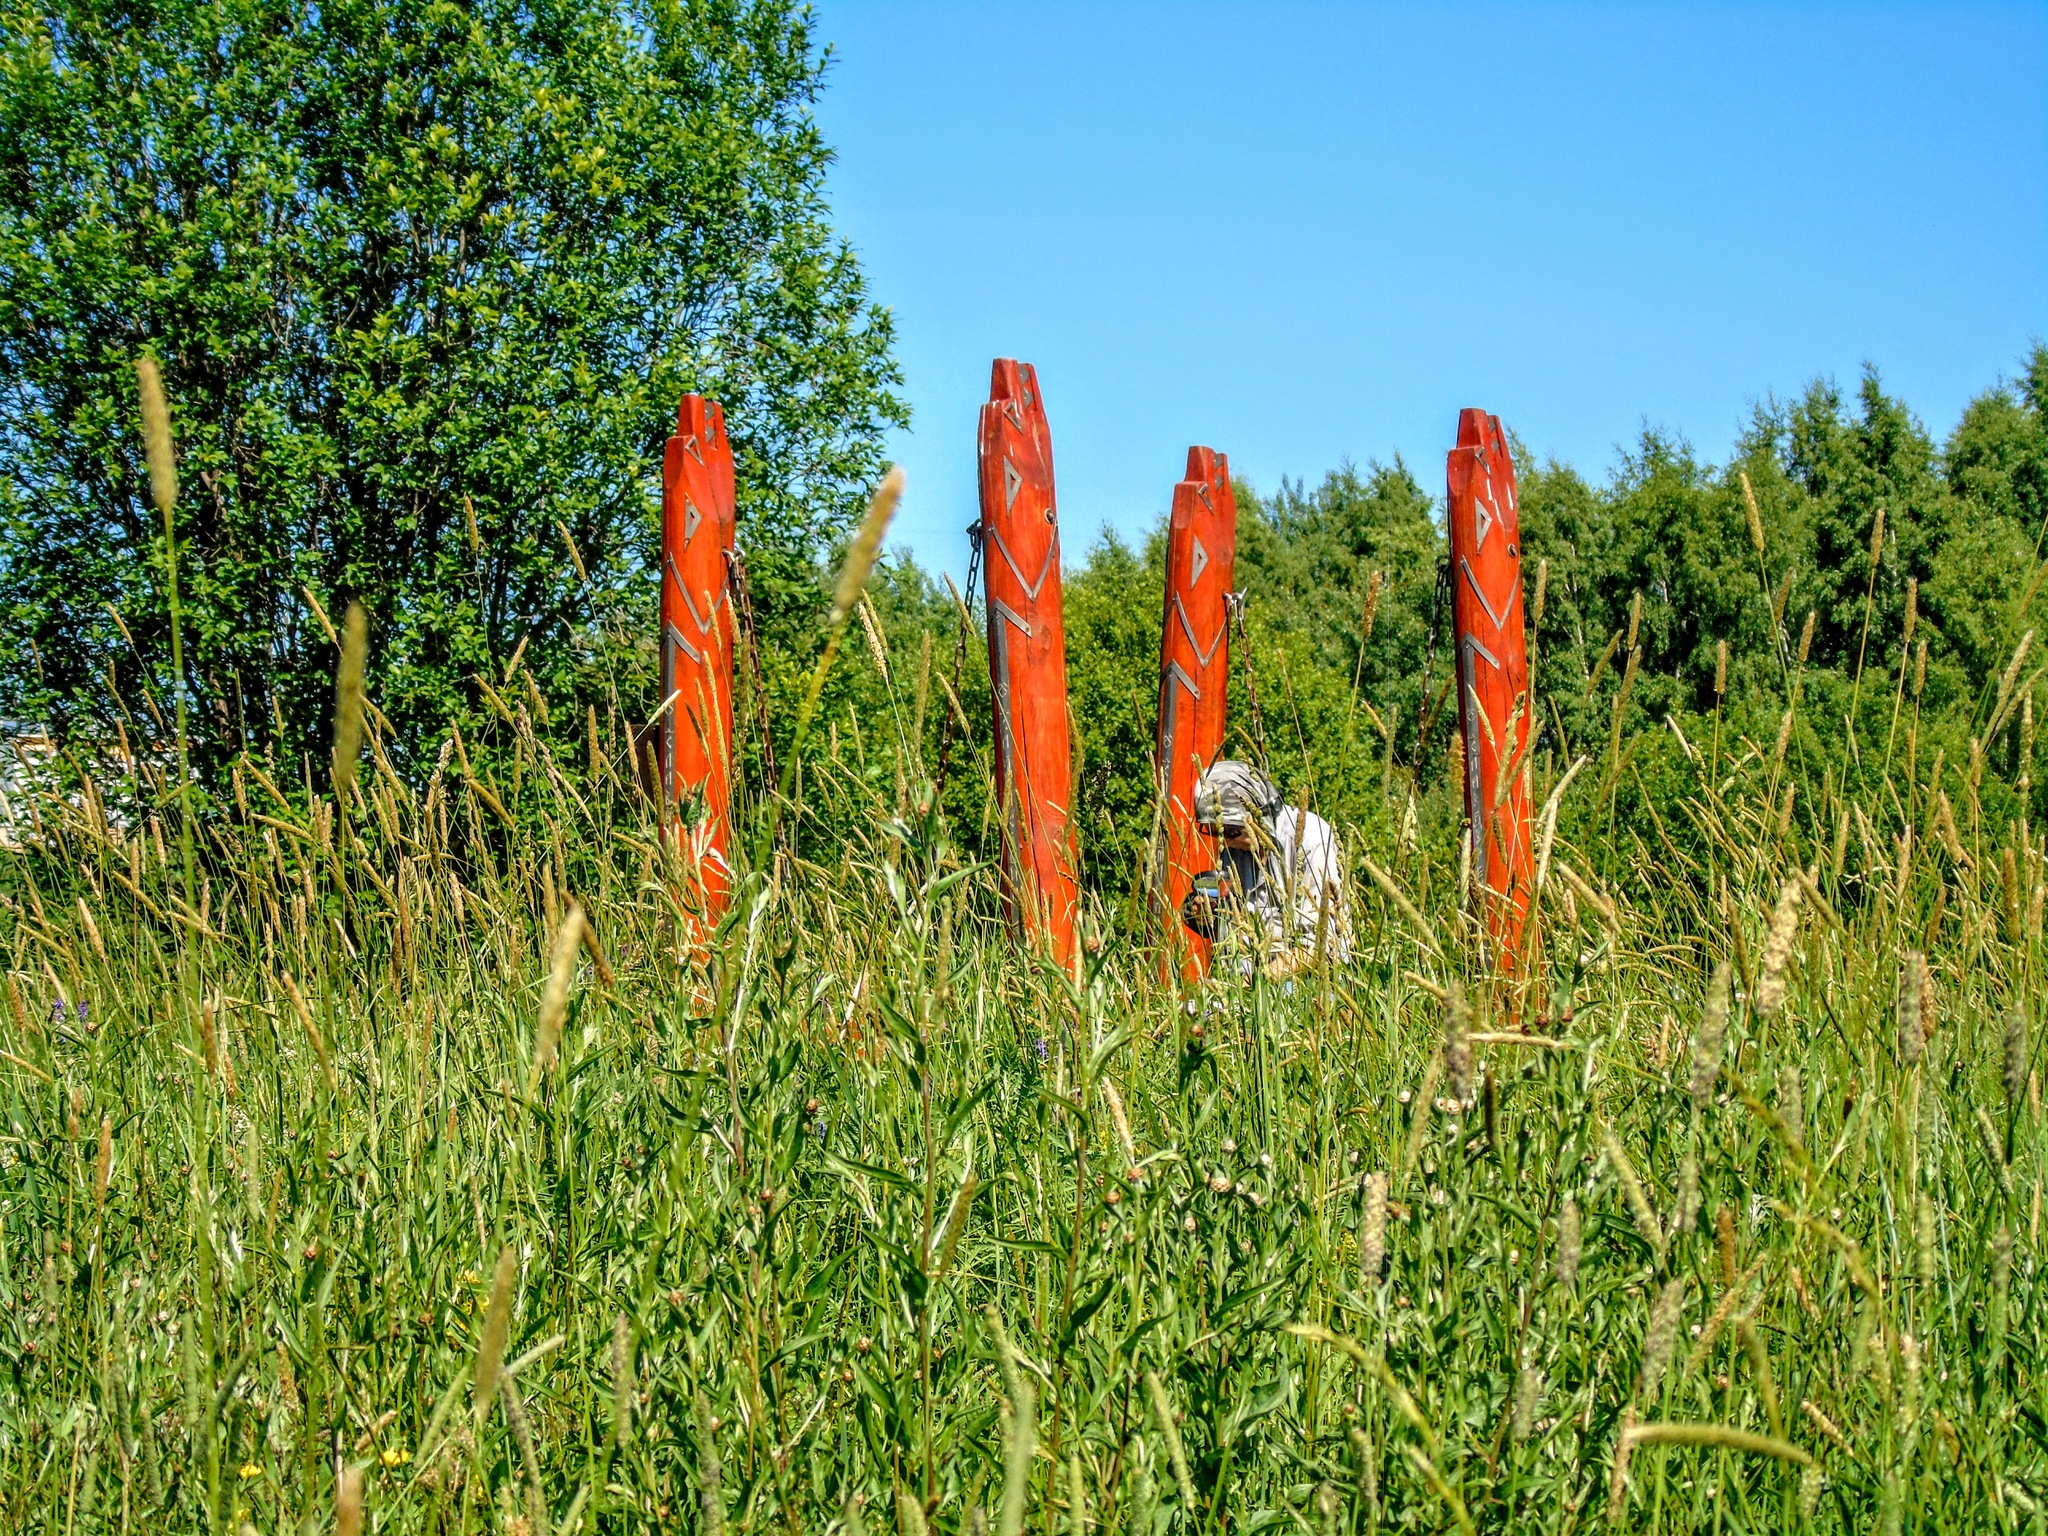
{"x": 408, "y": 1170}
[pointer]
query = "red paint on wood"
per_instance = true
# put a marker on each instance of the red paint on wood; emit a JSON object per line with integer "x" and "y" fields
{"x": 697, "y": 643}
{"x": 1027, "y": 660}
{"x": 1194, "y": 669}
{"x": 1492, "y": 658}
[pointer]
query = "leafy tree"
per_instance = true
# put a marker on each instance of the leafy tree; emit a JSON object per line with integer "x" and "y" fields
{"x": 426, "y": 281}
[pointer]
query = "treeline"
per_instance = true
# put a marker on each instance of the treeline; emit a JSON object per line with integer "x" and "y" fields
{"x": 1843, "y": 571}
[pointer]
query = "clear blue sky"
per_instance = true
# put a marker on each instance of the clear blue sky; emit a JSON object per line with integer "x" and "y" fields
{"x": 1305, "y": 233}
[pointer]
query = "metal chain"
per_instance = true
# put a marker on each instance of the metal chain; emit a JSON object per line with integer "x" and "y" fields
{"x": 750, "y": 634}
{"x": 959, "y": 654}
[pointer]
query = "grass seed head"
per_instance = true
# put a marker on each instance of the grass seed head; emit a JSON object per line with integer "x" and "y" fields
{"x": 1713, "y": 1036}
{"x": 1372, "y": 1233}
{"x": 1925, "y": 1240}
{"x": 1770, "y": 982}
{"x": 1457, "y": 1043}
{"x": 1810, "y": 1485}
{"x": 1906, "y": 1008}
{"x": 348, "y": 701}
{"x": 866, "y": 548}
{"x": 2015, "y": 1056}
{"x": 1368, "y": 1468}
{"x": 156, "y": 434}
{"x": 348, "y": 1502}
{"x": 1659, "y": 1338}
{"x": 1569, "y": 1239}
{"x": 1792, "y": 1104}
{"x": 554, "y": 998}
{"x": 1685, "y": 1211}
{"x": 1528, "y": 1395}
{"x": 490, "y": 1350}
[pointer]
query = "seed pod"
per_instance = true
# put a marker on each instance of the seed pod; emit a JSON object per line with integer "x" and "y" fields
{"x": 1720, "y": 668}
{"x": 1724, "y": 1238}
{"x": 1713, "y": 1036}
{"x": 1568, "y": 1238}
{"x": 1907, "y": 1008}
{"x": 2015, "y": 1056}
{"x": 1806, "y": 637}
{"x": 1372, "y": 1234}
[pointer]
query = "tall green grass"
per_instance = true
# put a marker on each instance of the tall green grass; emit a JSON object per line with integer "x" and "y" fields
{"x": 415, "y": 1171}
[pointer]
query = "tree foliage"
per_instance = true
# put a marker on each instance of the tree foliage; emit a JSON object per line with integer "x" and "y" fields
{"x": 426, "y": 281}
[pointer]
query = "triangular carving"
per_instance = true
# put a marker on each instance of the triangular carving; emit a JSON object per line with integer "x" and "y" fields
{"x": 691, "y": 518}
{"x": 1483, "y": 519}
{"x": 1198, "y": 562}
{"x": 1012, "y": 482}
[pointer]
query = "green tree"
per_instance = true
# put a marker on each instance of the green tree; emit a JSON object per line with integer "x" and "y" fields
{"x": 426, "y": 282}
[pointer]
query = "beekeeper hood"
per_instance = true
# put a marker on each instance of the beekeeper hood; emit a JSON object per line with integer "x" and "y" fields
{"x": 1233, "y": 794}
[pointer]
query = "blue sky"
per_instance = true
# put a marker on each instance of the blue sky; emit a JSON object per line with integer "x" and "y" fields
{"x": 1303, "y": 233}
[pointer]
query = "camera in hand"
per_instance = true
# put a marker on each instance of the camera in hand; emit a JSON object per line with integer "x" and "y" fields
{"x": 1202, "y": 912}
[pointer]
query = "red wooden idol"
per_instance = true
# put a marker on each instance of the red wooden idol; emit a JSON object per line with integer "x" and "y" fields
{"x": 1194, "y": 668}
{"x": 1493, "y": 676}
{"x": 697, "y": 643}
{"x": 1027, "y": 660}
